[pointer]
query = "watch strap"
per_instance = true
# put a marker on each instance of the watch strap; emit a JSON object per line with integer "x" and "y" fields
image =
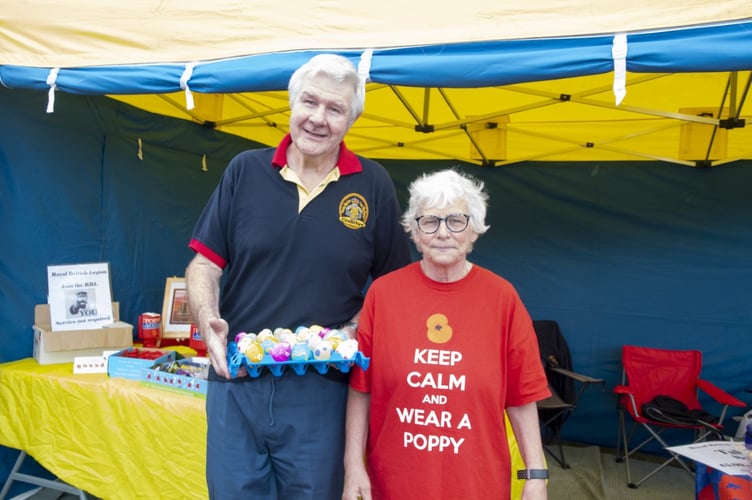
{"x": 532, "y": 474}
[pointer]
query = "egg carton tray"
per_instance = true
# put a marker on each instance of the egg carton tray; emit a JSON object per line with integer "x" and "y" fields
{"x": 237, "y": 359}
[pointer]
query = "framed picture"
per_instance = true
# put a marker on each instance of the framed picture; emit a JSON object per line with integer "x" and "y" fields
{"x": 176, "y": 316}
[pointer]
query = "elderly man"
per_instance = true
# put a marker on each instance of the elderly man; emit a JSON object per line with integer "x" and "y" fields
{"x": 296, "y": 232}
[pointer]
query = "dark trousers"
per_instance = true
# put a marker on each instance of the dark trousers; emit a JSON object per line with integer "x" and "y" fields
{"x": 276, "y": 437}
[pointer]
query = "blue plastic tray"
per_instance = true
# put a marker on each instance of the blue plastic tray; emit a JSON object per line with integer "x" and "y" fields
{"x": 236, "y": 359}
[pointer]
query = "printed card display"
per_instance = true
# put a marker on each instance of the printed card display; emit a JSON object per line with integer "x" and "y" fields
{"x": 80, "y": 296}
{"x": 728, "y": 457}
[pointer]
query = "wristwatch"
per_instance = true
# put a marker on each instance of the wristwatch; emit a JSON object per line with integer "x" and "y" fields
{"x": 532, "y": 474}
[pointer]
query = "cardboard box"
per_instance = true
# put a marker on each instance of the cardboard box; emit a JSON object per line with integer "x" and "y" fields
{"x": 194, "y": 384}
{"x": 133, "y": 368}
{"x": 61, "y": 347}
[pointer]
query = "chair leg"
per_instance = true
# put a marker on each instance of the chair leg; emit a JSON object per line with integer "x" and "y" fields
{"x": 37, "y": 481}
{"x": 12, "y": 474}
{"x": 551, "y": 434}
{"x": 673, "y": 458}
{"x": 558, "y": 457}
{"x": 653, "y": 436}
{"x": 618, "y": 436}
{"x": 622, "y": 442}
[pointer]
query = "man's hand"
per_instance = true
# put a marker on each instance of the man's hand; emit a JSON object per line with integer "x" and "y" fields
{"x": 216, "y": 345}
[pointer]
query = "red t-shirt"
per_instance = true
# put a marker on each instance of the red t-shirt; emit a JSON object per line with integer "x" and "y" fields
{"x": 446, "y": 360}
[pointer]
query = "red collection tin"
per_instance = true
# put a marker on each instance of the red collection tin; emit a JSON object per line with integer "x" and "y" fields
{"x": 149, "y": 328}
{"x": 196, "y": 341}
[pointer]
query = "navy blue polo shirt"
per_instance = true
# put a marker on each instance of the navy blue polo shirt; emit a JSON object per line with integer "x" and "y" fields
{"x": 285, "y": 268}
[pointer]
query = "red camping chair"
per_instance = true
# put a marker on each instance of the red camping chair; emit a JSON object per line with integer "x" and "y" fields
{"x": 648, "y": 373}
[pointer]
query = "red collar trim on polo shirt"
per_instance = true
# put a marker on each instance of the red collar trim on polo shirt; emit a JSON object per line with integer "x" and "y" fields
{"x": 348, "y": 161}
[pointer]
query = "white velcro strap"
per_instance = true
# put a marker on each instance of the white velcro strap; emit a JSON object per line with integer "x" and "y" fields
{"x": 619, "y": 55}
{"x": 187, "y": 74}
{"x": 364, "y": 68}
{"x": 51, "y": 81}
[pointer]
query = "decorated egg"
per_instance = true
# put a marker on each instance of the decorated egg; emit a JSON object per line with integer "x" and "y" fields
{"x": 264, "y": 334}
{"x": 287, "y": 336}
{"x": 347, "y": 348}
{"x": 285, "y": 332}
{"x": 300, "y": 352}
{"x": 244, "y": 341}
{"x": 268, "y": 343}
{"x": 315, "y": 329}
{"x": 302, "y": 333}
{"x": 254, "y": 352}
{"x": 323, "y": 351}
{"x": 281, "y": 351}
{"x": 313, "y": 341}
{"x": 335, "y": 337}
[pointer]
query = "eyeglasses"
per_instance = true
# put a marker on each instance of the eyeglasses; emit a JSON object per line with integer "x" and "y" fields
{"x": 429, "y": 224}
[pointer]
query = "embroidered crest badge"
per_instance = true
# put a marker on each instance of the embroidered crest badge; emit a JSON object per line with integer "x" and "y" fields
{"x": 353, "y": 211}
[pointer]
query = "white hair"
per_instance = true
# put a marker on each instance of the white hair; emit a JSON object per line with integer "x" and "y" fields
{"x": 443, "y": 188}
{"x": 336, "y": 67}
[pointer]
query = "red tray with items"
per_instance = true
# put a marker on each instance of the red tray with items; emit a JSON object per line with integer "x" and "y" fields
{"x": 130, "y": 362}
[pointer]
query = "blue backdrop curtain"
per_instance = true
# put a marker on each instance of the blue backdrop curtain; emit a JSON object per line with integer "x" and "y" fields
{"x": 643, "y": 253}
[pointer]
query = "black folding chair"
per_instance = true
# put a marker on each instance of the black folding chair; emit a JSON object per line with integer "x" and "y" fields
{"x": 565, "y": 384}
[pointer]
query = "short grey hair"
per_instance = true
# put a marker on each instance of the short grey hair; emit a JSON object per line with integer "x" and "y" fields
{"x": 336, "y": 67}
{"x": 443, "y": 188}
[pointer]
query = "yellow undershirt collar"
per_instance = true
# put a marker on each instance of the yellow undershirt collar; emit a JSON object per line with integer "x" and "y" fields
{"x": 305, "y": 197}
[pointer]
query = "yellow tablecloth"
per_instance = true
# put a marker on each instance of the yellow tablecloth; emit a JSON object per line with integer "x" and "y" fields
{"x": 112, "y": 437}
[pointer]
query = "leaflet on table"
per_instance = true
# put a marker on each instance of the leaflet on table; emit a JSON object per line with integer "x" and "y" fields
{"x": 80, "y": 296}
{"x": 729, "y": 457}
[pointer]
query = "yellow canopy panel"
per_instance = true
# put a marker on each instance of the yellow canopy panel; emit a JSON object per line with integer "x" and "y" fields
{"x": 50, "y": 33}
{"x": 669, "y": 117}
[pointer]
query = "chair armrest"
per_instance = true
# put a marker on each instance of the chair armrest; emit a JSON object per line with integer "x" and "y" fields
{"x": 627, "y": 399}
{"x": 623, "y": 390}
{"x": 719, "y": 394}
{"x": 553, "y": 402}
{"x": 578, "y": 376}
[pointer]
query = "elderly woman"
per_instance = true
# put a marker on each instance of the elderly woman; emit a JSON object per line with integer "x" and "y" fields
{"x": 451, "y": 347}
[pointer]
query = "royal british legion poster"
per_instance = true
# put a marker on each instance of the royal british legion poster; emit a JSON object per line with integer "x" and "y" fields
{"x": 79, "y": 296}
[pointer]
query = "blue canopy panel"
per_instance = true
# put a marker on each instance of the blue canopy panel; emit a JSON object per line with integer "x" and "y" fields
{"x": 137, "y": 79}
{"x": 726, "y": 47}
{"x": 487, "y": 64}
{"x": 466, "y": 65}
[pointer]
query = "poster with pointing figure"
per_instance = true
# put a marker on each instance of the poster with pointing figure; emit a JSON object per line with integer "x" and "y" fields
{"x": 80, "y": 296}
